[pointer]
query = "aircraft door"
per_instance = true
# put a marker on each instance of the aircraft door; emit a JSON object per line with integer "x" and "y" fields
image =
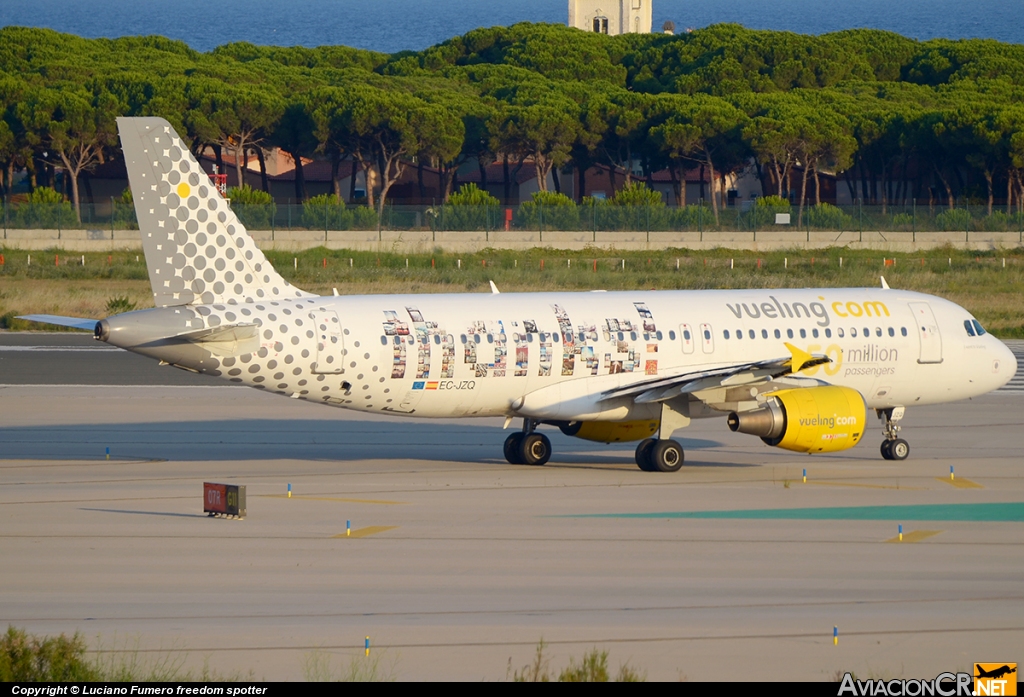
{"x": 329, "y": 342}
{"x": 927, "y": 333}
{"x": 687, "y": 337}
{"x": 707, "y": 338}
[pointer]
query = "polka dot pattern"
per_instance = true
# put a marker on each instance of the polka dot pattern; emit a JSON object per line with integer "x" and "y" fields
{"x": 196, "y": 249}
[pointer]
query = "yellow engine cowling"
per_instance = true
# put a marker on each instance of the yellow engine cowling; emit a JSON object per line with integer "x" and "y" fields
{"x": 807, "y": 420}
{"x": 610, "y": 431}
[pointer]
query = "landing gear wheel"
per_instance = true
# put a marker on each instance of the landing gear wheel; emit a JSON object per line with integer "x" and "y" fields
{"x": 886, "y": 449}
{"x": 666, "y": 456}
{"x": 513, "y": 447}
{"x": 643, "y": 454}
{"x": 899, "y": 449}
{"x": 535, "y": 449}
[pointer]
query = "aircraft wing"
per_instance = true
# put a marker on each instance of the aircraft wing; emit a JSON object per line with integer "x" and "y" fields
{"x": 663, "y": 389}
{"x": 73, "y": 322}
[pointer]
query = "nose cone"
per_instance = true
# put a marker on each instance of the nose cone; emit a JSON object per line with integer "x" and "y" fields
{"x": 1004, "y": 364}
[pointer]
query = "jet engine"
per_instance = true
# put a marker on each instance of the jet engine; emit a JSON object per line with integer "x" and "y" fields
{"x": 610, "y": 431}
{"x": 806, "y": 420}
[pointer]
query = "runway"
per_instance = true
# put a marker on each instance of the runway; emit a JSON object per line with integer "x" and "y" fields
{"x": 462, "y": 563}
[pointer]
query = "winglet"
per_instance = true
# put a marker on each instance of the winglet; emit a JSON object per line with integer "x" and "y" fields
{"x": 801, "y": 359}
{"x": 885, "y": 286}
{"x": 494, "y": 288}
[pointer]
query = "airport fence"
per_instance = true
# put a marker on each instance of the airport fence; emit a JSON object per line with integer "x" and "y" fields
{"x": 909, "y": 219}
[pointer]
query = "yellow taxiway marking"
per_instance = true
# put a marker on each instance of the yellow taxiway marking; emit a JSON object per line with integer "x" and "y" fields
{"x": 331, "y": 498}
{"x": 961, "y": 483}
{"x": 866, "y": 486}
{"x": 914, "y": 536}
{"x": 366, "y": 532}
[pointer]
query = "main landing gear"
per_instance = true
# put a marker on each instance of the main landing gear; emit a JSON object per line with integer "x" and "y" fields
{"x": 527, "y": 447}
{"x": 659, "y": 455}
{"x": 893, "y": 447}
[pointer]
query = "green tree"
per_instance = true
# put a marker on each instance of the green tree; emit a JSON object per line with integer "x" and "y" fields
{"x": 74, "y": 127}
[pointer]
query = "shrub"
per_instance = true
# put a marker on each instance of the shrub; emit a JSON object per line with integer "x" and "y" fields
{"x": 765, "y": 209}
{"x": 363, "y": 218}
{"x": 956, "y": 219}
{"x": 637, "y": 194}
{"x": 469, "y": 208}
{"x": 117, "y": 304}
{"x": 255, "y": 208}
{"x": 44, "y": 208}
{"x": 325, "y": 212}
{"x": 31, "y": 659}
{"x": 825, "y": 216}
{"x": 997, "y": 222}
{"x": 633, "y": 207}
{"x": 471, "y": 195}
{"x": 693, "y": 217}
{"x": 548, "y": 210}
{"x": 903, "y": 221}
{"x": 593, "y": 667}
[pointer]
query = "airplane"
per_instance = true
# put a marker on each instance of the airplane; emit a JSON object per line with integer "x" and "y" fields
{"x": 995, "y": 673}
{"x": 798, "y": 368}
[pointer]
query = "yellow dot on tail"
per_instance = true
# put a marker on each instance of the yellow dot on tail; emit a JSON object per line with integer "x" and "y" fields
{"x": 184, "y": 190}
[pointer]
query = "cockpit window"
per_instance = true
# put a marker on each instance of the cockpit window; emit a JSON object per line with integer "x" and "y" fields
{"x": 978, "y": 328}
{"x": 969, "y": 327}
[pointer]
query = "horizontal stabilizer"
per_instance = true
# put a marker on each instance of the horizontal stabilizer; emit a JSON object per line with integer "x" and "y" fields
{"x": 73, "y": 322}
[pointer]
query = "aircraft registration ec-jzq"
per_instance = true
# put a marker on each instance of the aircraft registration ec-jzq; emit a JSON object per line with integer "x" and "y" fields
{"x": 797, "y": 368}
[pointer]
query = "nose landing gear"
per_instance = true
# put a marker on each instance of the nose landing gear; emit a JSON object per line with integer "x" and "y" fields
{"x": 893, "y": 447}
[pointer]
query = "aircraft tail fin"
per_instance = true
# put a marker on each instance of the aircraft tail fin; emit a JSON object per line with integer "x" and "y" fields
{"x": 197, "y": 250}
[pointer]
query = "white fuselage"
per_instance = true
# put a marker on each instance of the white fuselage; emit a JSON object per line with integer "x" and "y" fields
{"x": 552, "y": 355}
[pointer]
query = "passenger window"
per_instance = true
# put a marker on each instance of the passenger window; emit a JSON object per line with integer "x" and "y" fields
{"x": 622, "y": 337}
{"x": 814, "y": 333}
{"x": 554, "y": 337}
{"x": 978, "y": 328}
{"x": 778, "y": 334}
{"x": 476, "y": 338}
{"x": 707, "y": 335}
{"x": 892, "y": 332}
{"x": 739, "y": 333}
{"x": 828, "y": 333}
{"x": 632, "y": 336}
{"x": 789, "y": 333}
{"x": 672, "y": 335}
{"x": 751, "y": 334}
{"x": 725, "y": 333}
{"x": 529, "y": 338}
{"x": 853, "y": 332}
{"x": 463, "y": 337}
{"x": 437, "y": 339}
{"x": 803, "y": 333}
{"x": 686, "y": 335}
{"x": 582, "y": 337}
{"x": 867, "y": 332}
{"x": 659, "y": 336}
{"x": 878, "y": 331}
{"x": 383, "y": 341}
{"x": 903, "y": 331}
{"x": 764, "y": 333}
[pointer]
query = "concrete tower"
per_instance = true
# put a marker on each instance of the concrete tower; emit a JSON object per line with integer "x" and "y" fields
{"x": 611, "y": 16}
